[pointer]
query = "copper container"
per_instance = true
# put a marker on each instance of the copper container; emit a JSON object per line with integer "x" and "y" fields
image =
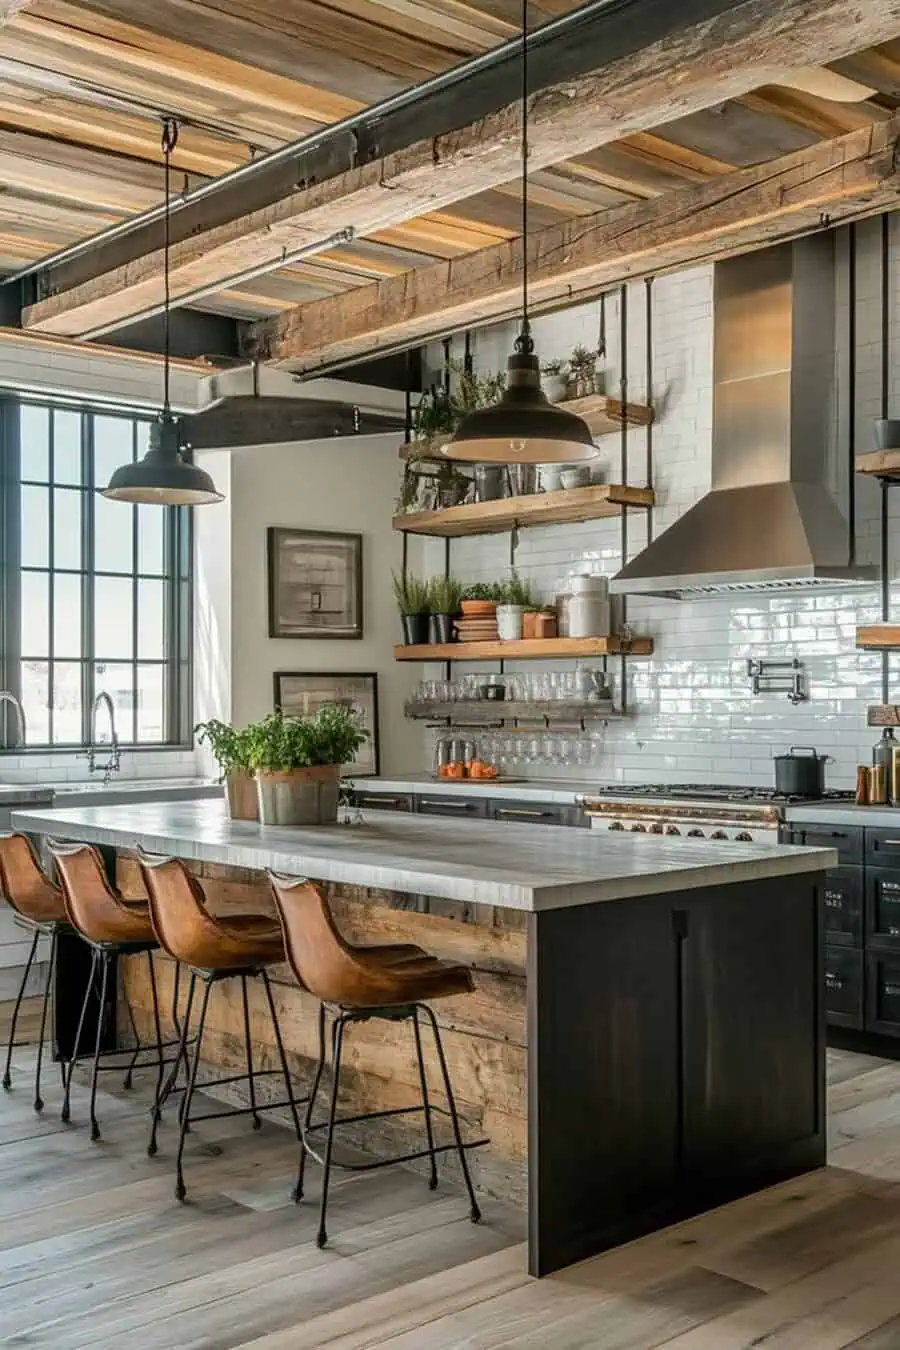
{"x": 895, "y": 776}
{"x": 862, "y": 785}
{"x": 545, "y": 626}
{"x": 878, "y": 788}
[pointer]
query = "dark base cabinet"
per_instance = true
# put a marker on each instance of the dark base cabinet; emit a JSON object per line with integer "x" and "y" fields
{"x": 459, "y": 805}
{"x": 844, "y": 986}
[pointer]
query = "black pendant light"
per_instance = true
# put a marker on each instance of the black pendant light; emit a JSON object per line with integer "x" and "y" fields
{"x": 524, "y": 427}
{"x": 163, "y": 477}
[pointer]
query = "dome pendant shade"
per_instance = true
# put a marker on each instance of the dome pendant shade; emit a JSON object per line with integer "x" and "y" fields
{"x": 523, "y": 427}
{"x": 162, "y": 478}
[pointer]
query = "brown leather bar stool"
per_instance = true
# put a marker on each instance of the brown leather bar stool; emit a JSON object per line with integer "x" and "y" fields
{"x": 111, "y": 926}
{"x": 213, "y": 949}
{"x": 39, "y": 907}
{"x": 354, "y": 984}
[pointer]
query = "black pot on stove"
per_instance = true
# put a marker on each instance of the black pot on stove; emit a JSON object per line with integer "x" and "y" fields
{"x": 801, "y": 772}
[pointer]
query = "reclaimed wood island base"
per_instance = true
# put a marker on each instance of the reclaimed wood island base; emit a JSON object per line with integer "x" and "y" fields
{"x": 646, "y": 1037}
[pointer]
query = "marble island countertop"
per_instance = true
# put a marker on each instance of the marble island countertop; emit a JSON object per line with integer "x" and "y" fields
{"x": 522, "y": 867}
{"x": 21, "y": 794}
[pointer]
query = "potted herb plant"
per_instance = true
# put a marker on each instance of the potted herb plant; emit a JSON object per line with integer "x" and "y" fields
{"x": 230, "y": 750}
{"x": 479, "y": 600}
{"x": 444, "y": 595}
{"x": 297, "y": 762}
{"x": 555, "y": 380}
{"x": 582, "y": 365}
{"x": 517, "y": 597}
{"x": 411, "y": 594}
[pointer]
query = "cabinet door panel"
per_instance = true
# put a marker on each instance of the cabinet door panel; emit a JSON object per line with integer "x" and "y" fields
{"x": 843, "y": 906}
{"x": 883, "y": 907}
{"x": 753, "y": 1026}
{"x": 883, "y": 847}
{"x": 847, "y": 839}
{"x": 844, "y": 987}
{"x": 883, "y": 993}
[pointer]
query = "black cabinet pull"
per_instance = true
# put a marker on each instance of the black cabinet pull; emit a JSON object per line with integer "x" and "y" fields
{"x": 517, "y": 811}
{"x": 449, "y": 806}
{"x": 381, "y": 800}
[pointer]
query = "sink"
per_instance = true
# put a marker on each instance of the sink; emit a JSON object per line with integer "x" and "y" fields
{"x": 129, "y": 790}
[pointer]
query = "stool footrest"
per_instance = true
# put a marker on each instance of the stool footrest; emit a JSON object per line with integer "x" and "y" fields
{"x": 369, "y": 1166}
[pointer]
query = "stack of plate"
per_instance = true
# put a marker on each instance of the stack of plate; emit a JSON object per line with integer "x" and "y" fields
{"x": 481, "y": 629}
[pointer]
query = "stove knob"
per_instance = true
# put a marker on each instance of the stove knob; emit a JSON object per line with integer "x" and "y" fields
{"x": 616, "y": 825}
{"x": 744, "y": 837}
{"x": 656, "y": 827}
{"x": 639, "y": 829}
{"x": 718, "y": 834}
{"x": 695, "y": 834}
{"x": 672, "y": 829}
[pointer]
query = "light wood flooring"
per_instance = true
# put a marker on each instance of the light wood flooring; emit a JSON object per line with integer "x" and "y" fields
{"x": 94, "y": 1251}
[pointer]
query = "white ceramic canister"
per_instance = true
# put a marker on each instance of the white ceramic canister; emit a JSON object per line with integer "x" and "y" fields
{"x": 588, "y": 607}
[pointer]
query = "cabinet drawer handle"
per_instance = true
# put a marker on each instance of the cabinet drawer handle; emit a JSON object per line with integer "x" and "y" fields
{"x": 517, "y": 811}
{"x": 381, "y": 800}
{"x": 888, "y": 843}
{"x": 449, "y": 806}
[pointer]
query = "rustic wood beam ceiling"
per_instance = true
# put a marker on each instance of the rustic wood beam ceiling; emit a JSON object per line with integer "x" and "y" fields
{"x": 656, "y": 62}
{"x": 851, "y": 176}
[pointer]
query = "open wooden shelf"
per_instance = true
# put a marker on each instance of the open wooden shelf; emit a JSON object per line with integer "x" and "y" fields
{"x": 879, "y": 637}
{"x": 603, "y": 414}
{"x": 490, "y": 712}
{"x": 537, "y": 649}
{"x": 881, "y": 463}
{"x": 539, "y": 508}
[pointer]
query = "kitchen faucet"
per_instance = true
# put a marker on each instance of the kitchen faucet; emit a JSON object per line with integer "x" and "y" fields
{"x": 112, "y": 764}
{"x": 7, "y": 697}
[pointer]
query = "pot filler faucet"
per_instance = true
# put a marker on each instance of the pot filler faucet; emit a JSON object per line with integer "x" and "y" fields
{"x": 7, "y": 697}
{"x": 111, "y": 765}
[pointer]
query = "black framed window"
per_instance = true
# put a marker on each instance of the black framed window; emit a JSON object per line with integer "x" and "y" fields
{"x": 96, "y": 594}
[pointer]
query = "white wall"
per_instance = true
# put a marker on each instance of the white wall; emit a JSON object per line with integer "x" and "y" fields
{"x": 338, "y": 484}
{"x": 694, "y": 718}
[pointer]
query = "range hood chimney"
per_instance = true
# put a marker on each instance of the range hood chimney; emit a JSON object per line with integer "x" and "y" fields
{"x": 769, "y": 522}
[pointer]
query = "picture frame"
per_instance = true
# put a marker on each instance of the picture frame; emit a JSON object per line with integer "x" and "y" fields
{"x": 315, "y": 584}
{"x": 304, "y": 692}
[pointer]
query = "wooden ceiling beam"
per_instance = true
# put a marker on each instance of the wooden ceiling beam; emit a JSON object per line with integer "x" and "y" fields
{"x": 846, "y": 178}
{"x": 656, "y": 62}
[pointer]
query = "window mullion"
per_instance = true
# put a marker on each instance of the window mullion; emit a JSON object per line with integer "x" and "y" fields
{"x": 87, "y": 576}
{"x": 10, "y": 565}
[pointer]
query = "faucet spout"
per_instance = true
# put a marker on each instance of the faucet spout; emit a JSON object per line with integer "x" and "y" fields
{"x": 112, "y": 764}
{"x": 6, "y": 696}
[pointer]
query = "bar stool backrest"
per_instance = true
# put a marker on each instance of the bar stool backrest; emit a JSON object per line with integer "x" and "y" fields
{"x": 178, "y": 911}
{"x": 24, "y": 883}
{"x": 319, "y": 957}
{"x": 92, "y": 905}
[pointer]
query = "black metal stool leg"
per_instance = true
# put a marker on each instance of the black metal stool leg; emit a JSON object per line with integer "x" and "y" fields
{"x": 157, "y": 1026}
{"x": 138, "y": 1047}
{"x": 314, "y": 1092}
{"x": 322, "y": 1235}
{"x": 66, "y": 1114}
{"x": 95, "y": 1074}
{"x": 38, "y": 1099}
{"x": 280, "y": 1044}
{"x": 433, "y": 1179}
{"x": 180, "y": 1191}
{"x": 187, "y": 1067}
{"x": 173, "y": 1074}
{"x": 7, "y": 1077}
{"x": 257, "y": 1119}
{"x": 474, "y": 1211}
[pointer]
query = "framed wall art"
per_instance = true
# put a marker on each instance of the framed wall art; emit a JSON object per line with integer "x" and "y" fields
{"x": 315, "y": 584}
{"x": 303, "y": 693}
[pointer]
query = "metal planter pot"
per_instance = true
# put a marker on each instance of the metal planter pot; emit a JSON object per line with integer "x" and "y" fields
{"x": 241, "y": 796}
{"x": 299, "y": 796}
{"x": 887, "y": 433}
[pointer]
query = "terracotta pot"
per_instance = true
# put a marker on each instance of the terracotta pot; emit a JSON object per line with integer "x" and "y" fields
{"x": 240, "y": 794}
{"x": 483, "y": 609}
{"x": 299, "y": 796}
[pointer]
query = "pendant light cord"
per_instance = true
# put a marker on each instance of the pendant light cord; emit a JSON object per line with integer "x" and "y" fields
{"x": 169, "y": 142}
{"x": 524, "y": 342}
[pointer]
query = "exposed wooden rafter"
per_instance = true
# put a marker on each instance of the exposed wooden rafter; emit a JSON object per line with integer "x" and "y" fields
{"x": 711, "y": 51}
{"x": 854, "y": 175}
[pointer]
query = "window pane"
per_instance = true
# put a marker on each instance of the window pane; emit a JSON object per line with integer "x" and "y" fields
{"x": 34, "y": 442}
{"x": 113, "y": 535}
{"x": 118, "y": 682}
{"x": 66, "y": 446}
{"x": 35, "y": 623}
{"x": 151, "y": 612}
{"x": 143, "y": 438}
{"x": 35, "y": 677}
{"x": 35, "y": 526}
{"x": 151, "y": 720}
{"x": 113, "y": 445}
{"x": 67, "y": 615}
{"x": 66, "y": 703}
{"x": 67, "y": 525}
{"x": 113, "y": 619}
{"x": 151, "y": 523}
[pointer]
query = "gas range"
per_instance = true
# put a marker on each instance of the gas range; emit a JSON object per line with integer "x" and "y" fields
{"x": 694, "y": 810}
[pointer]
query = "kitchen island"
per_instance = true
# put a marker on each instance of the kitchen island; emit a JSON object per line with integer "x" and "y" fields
{"x": 646, "y": 1036}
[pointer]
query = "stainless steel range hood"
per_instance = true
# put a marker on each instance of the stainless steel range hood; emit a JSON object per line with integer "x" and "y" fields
{"x": 769, "y": 522}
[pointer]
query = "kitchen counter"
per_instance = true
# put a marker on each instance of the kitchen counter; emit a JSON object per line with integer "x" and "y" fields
{"x": 630, "y": 1062}
{"x": 522, "y": 867}
{"x": 830, "y": 813}
{"x": 23, "y": 794}
{"x": 560, "y": 791}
